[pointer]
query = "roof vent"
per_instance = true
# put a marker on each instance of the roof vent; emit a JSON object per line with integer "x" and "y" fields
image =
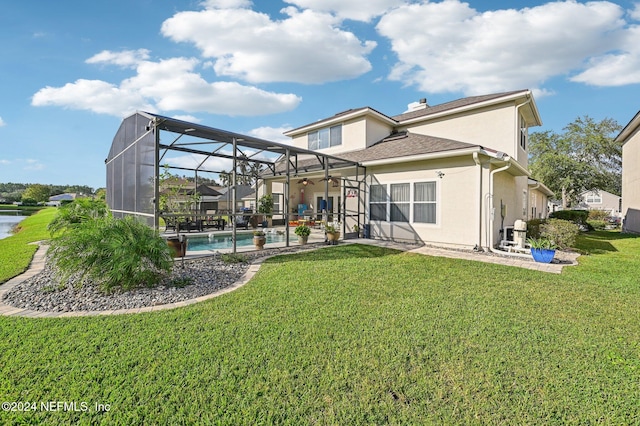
{"x": 416, "y": 106}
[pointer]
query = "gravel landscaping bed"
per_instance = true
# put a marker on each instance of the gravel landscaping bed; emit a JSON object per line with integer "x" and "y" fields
{"x": 207, "y": 274}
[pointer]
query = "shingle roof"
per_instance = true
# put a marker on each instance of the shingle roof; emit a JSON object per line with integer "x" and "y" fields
{"x": 405, "y": 144}
{"x": 396, "y": 145}
{"x": 451, "y": 105}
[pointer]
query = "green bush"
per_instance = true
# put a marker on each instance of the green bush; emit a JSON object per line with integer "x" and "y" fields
{"x": 76, "y": 212}
{"x": 533, "y": 228}
{"x": 597, "y": 225}
{"x": 578, "y": 217}
{"x": 598, "y": 215}
{"x": 113, "y": 253}
{"x": 562, "y": 233}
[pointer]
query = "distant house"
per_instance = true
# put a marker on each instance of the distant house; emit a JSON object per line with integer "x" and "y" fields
{"x": 56, "y": 200}
{"x": 601, "y": 200}
{"x": 454, "y": 174}
{"x": 630, "y": 139}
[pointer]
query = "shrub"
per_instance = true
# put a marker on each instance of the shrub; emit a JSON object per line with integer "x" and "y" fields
{"x": 76, "y": 212}
{"x": 598, "y": 225}
{"x": 598, "y": 215}
{"x": 578, "y": 217}
{"x": 234, "y": 258}
{"x": 302, "y": 230}
{"x": 113, "y": 253}
{"x": 562, "y": 233}
{"x": 533, "y": 228}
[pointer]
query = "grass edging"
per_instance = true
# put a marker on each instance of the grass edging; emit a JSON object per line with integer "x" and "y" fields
{"x": 17, "y": 250}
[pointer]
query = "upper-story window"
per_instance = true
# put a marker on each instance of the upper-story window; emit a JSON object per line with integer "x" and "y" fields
{"x": 325, "y": 138}
{"x": 523, "y": 133}
{"x": 593, "y": 199}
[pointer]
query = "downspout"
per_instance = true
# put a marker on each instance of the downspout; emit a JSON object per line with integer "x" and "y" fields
{"x": 529, "y": 197}
{"x": 490, "y": 199}
{"x": 476, "y": 159}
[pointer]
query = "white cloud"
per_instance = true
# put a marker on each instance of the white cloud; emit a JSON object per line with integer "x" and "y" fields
{"x": 32, "y": 164}
{"x": 358, "y": 10}
{"x": 126, "y": 58}
{"x": 616, "y": 69}
{"x": 189, "y": 118}
{"x": 5, "y": 162}
{"x": 192, "y": 161}
{"x": 167, "y": 85}
{"x": 2, "y": 123}
{"x": 226, "y": 4}
{"x": 92, "y": 95}
{"x": 306, "y": 47}
{"x": 458, "y": 49}
{"x": 273, "y": 134}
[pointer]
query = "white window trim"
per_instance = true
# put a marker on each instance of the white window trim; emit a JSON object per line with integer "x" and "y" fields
{"x": 341, "y": 125}
{"x": 411, "y": 221}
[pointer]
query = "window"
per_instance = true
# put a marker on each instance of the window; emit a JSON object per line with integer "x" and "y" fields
{"x": 276, "y": 202}
{"x": 325, "y": 138}
{"x": 378, "y": 202}
{"x": 594, "y": 199}
{"x": 523, "y": 133}
{"x": 424, "y": 202}
{"x": 404, "y": 202}
{"x": 400, "y": 202}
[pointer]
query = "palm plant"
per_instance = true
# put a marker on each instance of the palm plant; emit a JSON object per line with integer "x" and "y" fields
{"x": 76, "y": 212}
{"x": 112, "y": 253}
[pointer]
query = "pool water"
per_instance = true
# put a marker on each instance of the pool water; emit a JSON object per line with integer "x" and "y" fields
{"x": 224, "y": 241}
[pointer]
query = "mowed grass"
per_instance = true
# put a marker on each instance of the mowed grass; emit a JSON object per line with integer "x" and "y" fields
{"x": 354, "y": 335}
{"x": 16, "y": 251}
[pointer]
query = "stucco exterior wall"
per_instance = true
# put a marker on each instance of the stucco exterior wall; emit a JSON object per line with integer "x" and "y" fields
{"x": 458, "y": 202}
{"x": 631, "y": 183}
{"x": 538, "y": 205}
{"x": 357, "y": 133}
{"x": 494, "y": 127}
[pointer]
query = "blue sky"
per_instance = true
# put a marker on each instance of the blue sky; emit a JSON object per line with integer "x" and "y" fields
{"x": 70, "y": 71}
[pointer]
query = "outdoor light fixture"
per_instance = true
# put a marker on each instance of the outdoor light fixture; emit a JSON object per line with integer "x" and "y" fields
{"x": 306, "y": 181}
{"x": 440, "y": 174}
{"x": 334, "y": 181}
{"x": 190, "y": 129}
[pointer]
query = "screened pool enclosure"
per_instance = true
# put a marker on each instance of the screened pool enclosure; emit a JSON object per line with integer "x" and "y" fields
{"x": 147, "y": 144}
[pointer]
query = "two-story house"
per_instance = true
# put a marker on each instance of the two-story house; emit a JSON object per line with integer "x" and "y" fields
{"x": 629, "y": 137}
{"x": 454, "y": 174}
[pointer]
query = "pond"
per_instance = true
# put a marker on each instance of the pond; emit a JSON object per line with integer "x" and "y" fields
{"x": 9, "y": 219}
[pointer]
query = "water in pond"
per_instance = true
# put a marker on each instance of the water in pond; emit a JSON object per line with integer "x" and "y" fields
{"x": 9, "y": 219}
{"x": 224, "y": 241}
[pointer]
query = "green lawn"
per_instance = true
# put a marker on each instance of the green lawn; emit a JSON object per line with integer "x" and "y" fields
{"x": 354, "y": 335}
{"x": 15, "y": 251}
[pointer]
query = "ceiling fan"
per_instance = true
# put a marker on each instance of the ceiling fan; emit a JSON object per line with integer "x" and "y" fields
{"x": 306, "y": 181}
{"x": 335, "y": 182}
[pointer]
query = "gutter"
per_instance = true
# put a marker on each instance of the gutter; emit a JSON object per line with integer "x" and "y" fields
{"x": 442, "y": 154}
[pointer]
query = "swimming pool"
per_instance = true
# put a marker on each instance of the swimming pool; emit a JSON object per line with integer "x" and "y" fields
{"x": 224, "y": 241}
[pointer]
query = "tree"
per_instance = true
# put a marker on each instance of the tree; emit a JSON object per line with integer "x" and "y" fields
{"x": 39, "y": 193}
{"x": 584, "y": 157}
